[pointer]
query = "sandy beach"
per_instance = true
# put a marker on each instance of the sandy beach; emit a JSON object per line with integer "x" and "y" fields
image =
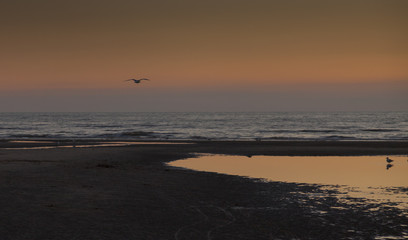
{"x": 127, "y": 192}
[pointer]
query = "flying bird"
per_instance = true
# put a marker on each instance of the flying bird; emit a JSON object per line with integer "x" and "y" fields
{"x": 137, "y": 80}
{"x": 389, "y": 160}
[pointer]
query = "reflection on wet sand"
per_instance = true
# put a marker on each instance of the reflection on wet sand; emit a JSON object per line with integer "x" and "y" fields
{"x": 74, "y": 144}
{"x": 29, "y": 141}
{"x": 351, "y": 177}
{"x": 367, "y": 171}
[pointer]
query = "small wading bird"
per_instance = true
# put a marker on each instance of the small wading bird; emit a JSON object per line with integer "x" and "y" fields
{"x": 137, "y": 80}
{"x": 389, "y": 160}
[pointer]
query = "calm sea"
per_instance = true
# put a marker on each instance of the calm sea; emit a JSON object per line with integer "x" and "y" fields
{"x": 216, "y": 126}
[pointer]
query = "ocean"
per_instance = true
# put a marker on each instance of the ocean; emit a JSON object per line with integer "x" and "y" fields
{"x": 207, "y": 126}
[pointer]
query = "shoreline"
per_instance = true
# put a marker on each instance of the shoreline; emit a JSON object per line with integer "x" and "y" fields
{"x": 279, "y": 148}
{"x": 128, "y": 192}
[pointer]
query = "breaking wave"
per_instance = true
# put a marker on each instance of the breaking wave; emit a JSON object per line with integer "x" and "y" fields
{"x": 207, "y": 126}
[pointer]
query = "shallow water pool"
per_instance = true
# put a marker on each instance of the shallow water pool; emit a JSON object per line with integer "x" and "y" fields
{"x": 360, "y": 171}
{"x": 368, "y": 177}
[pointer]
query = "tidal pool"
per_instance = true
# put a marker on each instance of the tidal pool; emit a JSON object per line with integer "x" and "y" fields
{"x": 368, "y": 177}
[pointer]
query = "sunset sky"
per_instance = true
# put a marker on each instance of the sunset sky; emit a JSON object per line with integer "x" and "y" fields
{"x": 213, "y": 55}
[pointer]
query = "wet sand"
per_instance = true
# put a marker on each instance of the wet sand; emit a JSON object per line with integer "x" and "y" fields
{"x": 126, "y": 192}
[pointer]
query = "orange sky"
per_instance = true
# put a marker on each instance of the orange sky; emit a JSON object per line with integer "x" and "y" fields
{"x": 88, "y": 44}
{"x": 230, "y": 50}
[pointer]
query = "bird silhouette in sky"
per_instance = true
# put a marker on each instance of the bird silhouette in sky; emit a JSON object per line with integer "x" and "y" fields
{"x": 137, "y": 80}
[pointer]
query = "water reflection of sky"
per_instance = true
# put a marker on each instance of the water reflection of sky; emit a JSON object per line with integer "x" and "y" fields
{"x": 73, "y": 144}
{"x": 368, "y": 177}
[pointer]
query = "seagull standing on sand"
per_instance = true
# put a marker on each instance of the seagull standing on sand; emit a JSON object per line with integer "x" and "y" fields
{"x": 137, "y": 80}
{"x": 389, "y": 160}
